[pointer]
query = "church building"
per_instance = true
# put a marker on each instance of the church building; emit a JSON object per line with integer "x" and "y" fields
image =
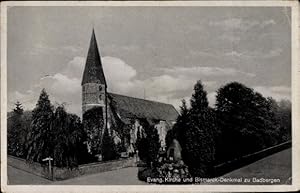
{"x": 122, "y": 115}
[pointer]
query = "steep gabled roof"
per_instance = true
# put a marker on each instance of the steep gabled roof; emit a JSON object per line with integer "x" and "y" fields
{"x": 93, "y": 71}
{"x": 129, "y": 107}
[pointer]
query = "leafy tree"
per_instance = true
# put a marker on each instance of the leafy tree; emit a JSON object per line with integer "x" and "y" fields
{"x": 283, "y": 115}
{"x": 109, "y": 149}
{"x": 68, "y": 138}
{"x": 245, "y": 119}
{"x": 39, "y": 136}
{"x": 93, "y": 123}
{"x": 198, "y": 148}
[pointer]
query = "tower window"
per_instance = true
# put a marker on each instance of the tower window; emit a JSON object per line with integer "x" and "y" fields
{"x": 100, "y": 88}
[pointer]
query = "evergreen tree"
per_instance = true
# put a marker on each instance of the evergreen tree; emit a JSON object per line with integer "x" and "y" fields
{"x": 18, "y": 108}
{"x": 16, "y": 130}
{"x": 181, "y": 123}
{"x": 39, "y": 139}
{"x": 198, "y": 148}
{"x": 153, "y": 145}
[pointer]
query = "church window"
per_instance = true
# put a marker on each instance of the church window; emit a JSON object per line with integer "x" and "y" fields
{"x": 100, "y": 88}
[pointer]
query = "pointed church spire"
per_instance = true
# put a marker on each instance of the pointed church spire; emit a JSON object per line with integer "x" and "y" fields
{"x": 93, "y": 71}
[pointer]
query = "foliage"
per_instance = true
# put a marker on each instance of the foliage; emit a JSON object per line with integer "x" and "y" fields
{"x": 142, "y": 146}
{"x": 198, "y": 147}
{"x": 181, "y": 123}
{"x": 68, "y": 137}
{"x": 283, "y": 114}
{"x": 40, "y": 139}
{"x": 148, "y": 145}
{"x": 169, "y": 137}
{"x": 246, "y": 121}
{"x": 93, "y": 124}
{"x": 109, "y": 149}
{"x": 153, "y": 144}
{"x": 17, "y": 128}
{"x": 18, "y": 109}
{"x": 57, "y": 134}
{"x": 194, "y": 130}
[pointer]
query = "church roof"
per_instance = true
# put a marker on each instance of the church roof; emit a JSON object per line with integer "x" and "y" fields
{"x": 130, "y": 107}
{"x": 93, "y": 71}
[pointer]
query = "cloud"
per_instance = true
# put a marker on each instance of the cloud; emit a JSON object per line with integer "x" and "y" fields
{"x": 254, "y": 54}
{"x": 231, "y": 37}
{"x": 171, "y": 86}
{"x": 42, "y": 48}
{"x": 206, "y": 71}
{"x": 276, "y": 92}
{"x": 243, "y": 25}
{"x": 62, "y": 87}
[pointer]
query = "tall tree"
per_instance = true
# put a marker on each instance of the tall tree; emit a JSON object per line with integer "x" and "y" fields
{"x": 153, "y": 144}
{"x": 245, "y": 119}
{"x": 40, "y": 140}
{"x": 68, "y": 138}
{"x": 198, "y": 148}
{"x": 181, "y": 123}
{"x": 16, "y": 130}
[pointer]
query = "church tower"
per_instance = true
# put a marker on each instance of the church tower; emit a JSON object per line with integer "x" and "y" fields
{"x": 93, "y": 83}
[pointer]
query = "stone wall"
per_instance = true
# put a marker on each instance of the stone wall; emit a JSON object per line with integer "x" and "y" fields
{"x": 64, "y": 173}
{"x": 250, "y": 158}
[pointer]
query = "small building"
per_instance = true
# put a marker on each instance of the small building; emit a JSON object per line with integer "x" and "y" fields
{"x": 123, "y": 115}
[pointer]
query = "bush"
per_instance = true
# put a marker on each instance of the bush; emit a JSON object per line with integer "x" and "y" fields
{"x": 109, "y": 149}
{"x": 148, "y": 145}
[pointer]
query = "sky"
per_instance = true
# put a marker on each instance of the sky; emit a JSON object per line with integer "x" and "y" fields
{"x": 157, "y": 53}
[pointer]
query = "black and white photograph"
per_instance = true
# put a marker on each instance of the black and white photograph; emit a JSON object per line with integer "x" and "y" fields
{"x": 148, "y": 94}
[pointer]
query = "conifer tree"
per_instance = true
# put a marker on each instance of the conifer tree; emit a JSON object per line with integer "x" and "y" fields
{"x": 181, "y": 123}
{"x": 40, "y": 141}
{"x": 19, "y": 108}
{"x": 153, "y": 145}
{"x": 198, "y": 149}
{"x": 16, "y": 131}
